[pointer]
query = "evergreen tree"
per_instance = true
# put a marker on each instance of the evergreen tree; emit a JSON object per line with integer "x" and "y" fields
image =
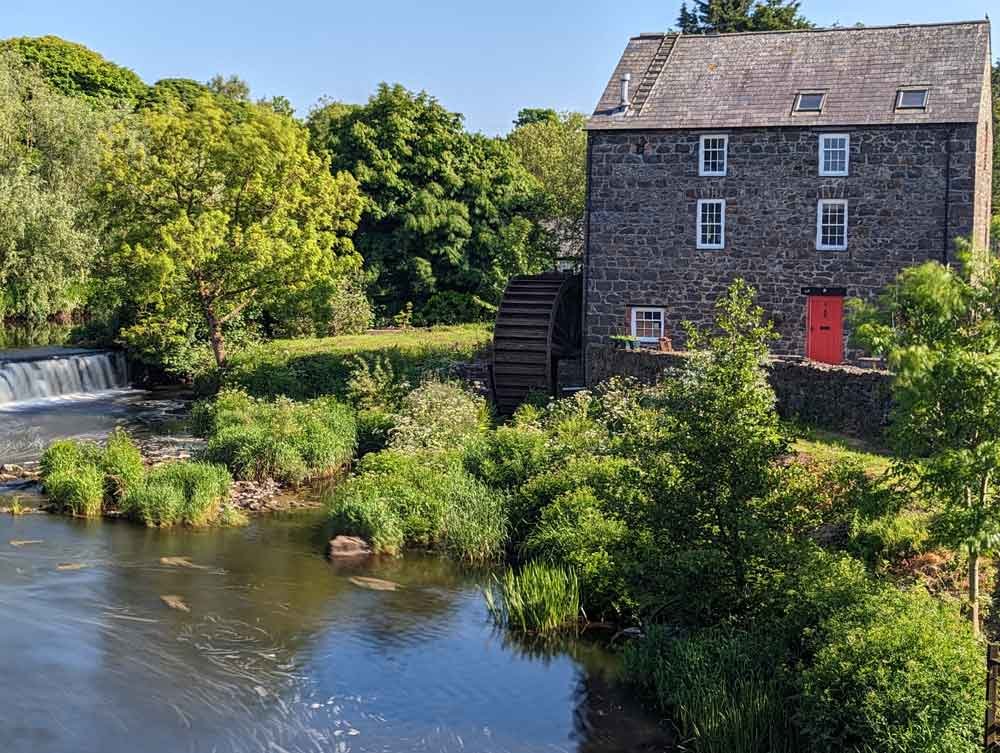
{"x": 727, "y": 16}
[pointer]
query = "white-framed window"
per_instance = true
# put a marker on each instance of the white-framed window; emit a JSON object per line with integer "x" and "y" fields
{"x": 711, "y": 230}
{"x": 911, "y": 99}
{"x": 834, "y": 153}
{"x": 647, "y": 324}
{"x": 712, "y": 154}
{"x": 831, "y": 225}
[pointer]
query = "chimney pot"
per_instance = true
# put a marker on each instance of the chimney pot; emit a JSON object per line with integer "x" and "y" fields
{"x": 626, "y": 78}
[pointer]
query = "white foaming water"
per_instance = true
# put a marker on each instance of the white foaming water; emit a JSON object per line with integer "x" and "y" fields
{"x": 72, "y": 374}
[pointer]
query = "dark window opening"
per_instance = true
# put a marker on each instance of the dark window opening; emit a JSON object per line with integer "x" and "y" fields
{"x": 812, "y": 102}
{"x": 911, "y": 99}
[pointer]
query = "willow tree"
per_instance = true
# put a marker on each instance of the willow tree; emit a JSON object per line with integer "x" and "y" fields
{"x": 215, "y": 208}
{"x": 940, "y": 329}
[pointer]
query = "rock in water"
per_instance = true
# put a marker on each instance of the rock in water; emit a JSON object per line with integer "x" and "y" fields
{"x": 70, "y": 566}
{"x": 375, "y": 584}
{"x": 347, "y": 546}
{"x": 175, "y": 602}
{"x": 181, "y": 562}
{"x": 25, "y": 542}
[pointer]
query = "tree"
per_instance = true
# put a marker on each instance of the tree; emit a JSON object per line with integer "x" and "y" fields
{"x": 215, "y": 209}
{"x": 531, "y": 115}
{"x": 47, "y": 160}
{"x": 726, "y": 16}
{"x": 445, "y": 210}
{"x": 74, "y": 70}
{"x": 554, "y": 151}
{"x": 233, "y": 88}
{"x": 940, "y": 328}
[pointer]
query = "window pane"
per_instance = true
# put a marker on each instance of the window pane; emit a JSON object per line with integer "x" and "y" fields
{"x": 711, "y": 223}
{"x": 913, "y": 98}
{"x": 810, "y": 102}
{"x": 834, "y": 154}
{"x": 713, "y": 155}
{"x": 833, "y": 225}
{"x": 649, "y": 324}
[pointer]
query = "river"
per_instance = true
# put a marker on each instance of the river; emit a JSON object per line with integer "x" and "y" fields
{"x": 118, "y": 638}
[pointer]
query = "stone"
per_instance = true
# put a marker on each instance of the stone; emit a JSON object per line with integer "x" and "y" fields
{"x": 175, "y": 602}
{"x": 374, "y": 584}
{"x": 348, "y": 546}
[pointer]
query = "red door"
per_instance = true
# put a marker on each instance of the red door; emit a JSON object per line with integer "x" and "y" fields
{"x": 825, "y": 328}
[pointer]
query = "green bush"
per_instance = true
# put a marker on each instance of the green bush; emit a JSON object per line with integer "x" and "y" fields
{"x": 188, "y": 493}
{"x": 899, "y": 672}
{"x": 374, "y": 427}
{"x": 122, "y": 465}
{"x": 281, "y": 440}
{"x": 890, "y": 538}
{"x": 508, "y": 457}
{"x": 575, "y": 531}
{"x": 538, "y": 599}
{"x": 723, "y": 688}
{"x": 68, "y": 455}
{"x": 423, "y": 500}
{"x": 78, "y": 491}
{"x": 438, "y": 416}
{"x": 452, "y": 307}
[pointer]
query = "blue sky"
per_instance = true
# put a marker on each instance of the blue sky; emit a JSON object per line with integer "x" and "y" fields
{"x": 486, "y": 60}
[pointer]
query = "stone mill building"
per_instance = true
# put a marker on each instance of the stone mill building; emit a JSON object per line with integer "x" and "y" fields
{"x": 813, "y": 164}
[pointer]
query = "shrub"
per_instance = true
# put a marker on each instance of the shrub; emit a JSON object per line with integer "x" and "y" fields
{"x": 374, "y": 428}
{"x": 281, "y": 440}
{"x": 575, "y": 531}
{"x": 420, "y": 500}
{"x": 374, "y": 383}
{"x": 890, "y": 538}
{"x": 509, "y": 456}
{"x": 452, "y": 307}
{"x": 79, "y": 491}
{"x": 538, "y": 599}
{"x": 68, "y": 455}
{"x": 723, "y": 688}
{"x": 122, "y": 465}
{"x": 899, "y": 672}
{"x": 188, "y": 493}
{"x": 438, "y": 416}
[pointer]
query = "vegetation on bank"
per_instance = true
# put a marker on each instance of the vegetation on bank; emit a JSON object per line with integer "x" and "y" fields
{"x": 86, "y": 480}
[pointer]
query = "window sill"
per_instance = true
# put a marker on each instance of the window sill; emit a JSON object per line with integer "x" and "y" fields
{"x": 831, "y": 248}
{"x": 701, "y": 247}
{"x": 833, "y": 175}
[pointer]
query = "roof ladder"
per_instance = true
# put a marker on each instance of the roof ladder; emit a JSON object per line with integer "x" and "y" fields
{"x": 656, "y": 66}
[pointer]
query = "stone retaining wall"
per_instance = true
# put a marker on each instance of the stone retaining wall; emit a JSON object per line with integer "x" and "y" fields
{"x": 845, "y": 399}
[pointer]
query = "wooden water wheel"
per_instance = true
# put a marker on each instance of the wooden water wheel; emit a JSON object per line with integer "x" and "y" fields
{"x": 538, "y": 323}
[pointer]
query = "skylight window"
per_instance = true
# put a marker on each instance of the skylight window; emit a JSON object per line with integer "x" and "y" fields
{"x": 911, "y": 99}
{"x": 809, "y": 102}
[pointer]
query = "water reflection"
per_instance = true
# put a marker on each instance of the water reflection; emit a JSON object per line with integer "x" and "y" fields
{"x": 279, "y": 651}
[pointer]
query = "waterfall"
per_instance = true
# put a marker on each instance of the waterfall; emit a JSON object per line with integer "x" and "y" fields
{"x": 71, "y": 373}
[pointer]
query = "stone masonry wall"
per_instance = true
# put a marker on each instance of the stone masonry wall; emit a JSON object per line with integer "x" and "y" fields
{"x": 843, "y": 399}
{"x": 644, "y": 187}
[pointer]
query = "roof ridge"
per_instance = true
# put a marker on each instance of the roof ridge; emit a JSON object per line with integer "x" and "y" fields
{"x": 813, "y": 30}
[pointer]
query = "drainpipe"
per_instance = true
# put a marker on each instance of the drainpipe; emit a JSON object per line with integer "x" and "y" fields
{"x": 947, "y": 201}
{"x": 586, "y": 265}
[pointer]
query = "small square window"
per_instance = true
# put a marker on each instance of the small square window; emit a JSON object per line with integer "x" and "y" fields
{"x": 712, "y": 155}
{"x": 809, "y": 102}
{"x": 711, "y": 230}
{"x": 911, "y": 99}
{"x": 647, "y": 325}
{"x": 834, "y": 153}
{"x": 831, "y": 225}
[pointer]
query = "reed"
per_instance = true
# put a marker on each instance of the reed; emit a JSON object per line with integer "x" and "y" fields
{"x": 539, "y": 598}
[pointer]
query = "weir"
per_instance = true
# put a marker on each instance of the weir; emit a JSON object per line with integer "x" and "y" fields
{"x": 54, "y": 372}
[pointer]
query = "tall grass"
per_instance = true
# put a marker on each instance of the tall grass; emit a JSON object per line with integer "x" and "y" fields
{"x": 282, "y": 440}
{"x": 538, "y": 599}
{"x": 78, "y": 491}
{"x": 722, "y": 689}
{"x": 182, "y": 493}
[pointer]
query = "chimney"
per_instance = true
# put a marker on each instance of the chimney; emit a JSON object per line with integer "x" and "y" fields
{"x": 626, "y": 78}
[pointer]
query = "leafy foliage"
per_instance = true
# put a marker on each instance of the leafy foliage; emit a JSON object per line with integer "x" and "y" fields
{"x": 281, "y": 440}
{"x": 438, "y": 416}
{"x": 444, "y": 209}
{"x": 76, "y": 71}
{"x": 725, "y": 16}
{"x": 537, "y": 599}
{"x": 212, "y": 209}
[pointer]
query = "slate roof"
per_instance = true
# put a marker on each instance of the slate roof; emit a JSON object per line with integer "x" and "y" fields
{"x": 751, "y": 79}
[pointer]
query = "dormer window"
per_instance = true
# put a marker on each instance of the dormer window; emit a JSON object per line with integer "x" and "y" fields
{"x": 911, "y": 99}
{"x": 809, "y": 102}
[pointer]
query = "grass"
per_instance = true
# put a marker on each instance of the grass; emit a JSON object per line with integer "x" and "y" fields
{"x": 307, "y": 368}
{"x": 282, "y": 440}
{"x": 829, "y": 448}
{"x": 182, "y": 493}
{"x": 420, "y": 500}
{"x": 538, "y": 599}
